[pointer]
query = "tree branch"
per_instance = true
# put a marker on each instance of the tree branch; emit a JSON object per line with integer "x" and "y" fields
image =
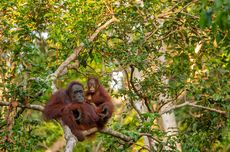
{"x": 108, "y": 132}
{"x": 74, "y": 55}
{"x": 34, "y": 107}
{"x": 136, "y": 91}
{"x": 131, "y": 100}
{"x": 187, "y": 103}
{"x": 177, "y": 11}
{"x": 71, "y": 140}
{"x": 116, "y": 134}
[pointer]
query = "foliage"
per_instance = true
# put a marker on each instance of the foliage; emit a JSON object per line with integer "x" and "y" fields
{"x": 24, "y": 137}
{"x": 37, "y": 36}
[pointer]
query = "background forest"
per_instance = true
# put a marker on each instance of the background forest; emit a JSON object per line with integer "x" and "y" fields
{"x": 164, "y": 62}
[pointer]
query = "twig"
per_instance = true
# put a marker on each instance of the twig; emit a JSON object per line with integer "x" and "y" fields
{"x": 176, "y": 12}
{"x": 151, "y": 34}
{"x": 179, "y": 97}
{"x": 116, "y": 134}
{"x": 131, "y": 100}
{"x": 187, "y": 103}
{"x": 171, "y": 9}
{"x": 151, "y": 136}
{"x": 193, "y": 16}
{"x": 97, "y": 147}
{"x": 136, "y": 91}
{"x": 166, "y": 36}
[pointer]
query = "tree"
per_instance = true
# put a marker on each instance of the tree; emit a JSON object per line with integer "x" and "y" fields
{"x": 46, "y": 44}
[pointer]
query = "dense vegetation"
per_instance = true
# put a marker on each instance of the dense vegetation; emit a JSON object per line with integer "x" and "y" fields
{"x": 192, "y": 37}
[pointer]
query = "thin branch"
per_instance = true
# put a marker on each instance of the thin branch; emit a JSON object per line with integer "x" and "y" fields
{"x": 151, "y": 136}
{"x": 34, "y": 107}
{"x": 132, "y": 102}
{"x": 97, "y": 147}
{"x": 187, "y": 103}
{"x": 166, "y": 36}
{"x": 193, "y": 16}
{"x": 151, "y": 34}
{"x": 194, "y": 1}
{"x": 179, "y": 97}
{"x": 176, "y": 12}
{"x": 171, "y": 9}
{"x": 117, "y": 134}
{"x": 136, "y": 91}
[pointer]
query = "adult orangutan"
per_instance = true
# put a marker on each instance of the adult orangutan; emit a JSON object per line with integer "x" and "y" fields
{"x": 69, "y": 106}
{"x": 97, "y": 95}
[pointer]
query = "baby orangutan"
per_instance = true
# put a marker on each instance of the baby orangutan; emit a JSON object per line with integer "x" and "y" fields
{"x": 97, "y": 95}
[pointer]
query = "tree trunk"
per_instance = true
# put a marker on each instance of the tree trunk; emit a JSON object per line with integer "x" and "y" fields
{"x": 142, "y": 108}
{"x": 168, "y": 119}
